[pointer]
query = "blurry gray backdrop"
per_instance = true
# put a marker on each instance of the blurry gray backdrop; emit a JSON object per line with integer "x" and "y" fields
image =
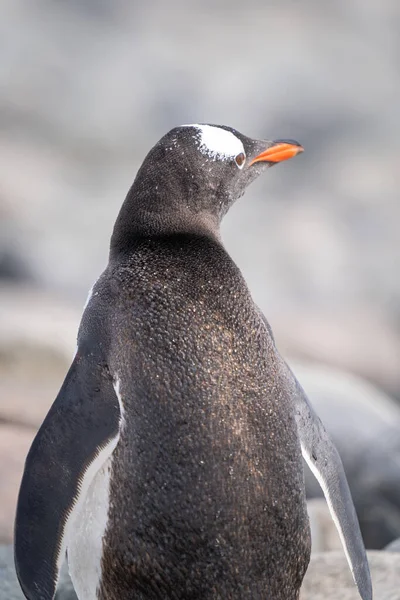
{"x": 88, "y": 86}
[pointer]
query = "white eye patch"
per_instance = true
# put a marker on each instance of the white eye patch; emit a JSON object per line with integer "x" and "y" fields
{"x": 217, "y": 143}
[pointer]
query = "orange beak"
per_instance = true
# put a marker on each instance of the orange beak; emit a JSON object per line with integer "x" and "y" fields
{"x": 281, "y": 150}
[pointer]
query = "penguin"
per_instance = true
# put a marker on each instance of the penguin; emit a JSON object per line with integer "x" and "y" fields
{"x": 170, "y": 464}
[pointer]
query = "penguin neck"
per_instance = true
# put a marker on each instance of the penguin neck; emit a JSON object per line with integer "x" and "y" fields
{"x": 156, "y": 208}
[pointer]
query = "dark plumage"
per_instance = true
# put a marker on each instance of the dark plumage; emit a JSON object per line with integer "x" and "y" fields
{"x": 206, "y": 493}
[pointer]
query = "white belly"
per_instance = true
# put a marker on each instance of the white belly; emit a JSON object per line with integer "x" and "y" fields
{"x": 85, "y": 539}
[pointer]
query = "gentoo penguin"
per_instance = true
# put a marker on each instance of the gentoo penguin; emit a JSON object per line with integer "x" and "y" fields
{"x": 169, "y": 466}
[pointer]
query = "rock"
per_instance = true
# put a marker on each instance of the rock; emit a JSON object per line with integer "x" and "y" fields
{"x": 393, "y": 546}
{"x": 324, "y": 535}
{"x": 10, "y": 588}
{"x": 38, "y": 333}
{"x": 365, "y": 426}
{"x": 11, "y": 267}
{"x": 337, "y": 339}
{"x": 329, "y": 578}
{"x": 14, "y": 446}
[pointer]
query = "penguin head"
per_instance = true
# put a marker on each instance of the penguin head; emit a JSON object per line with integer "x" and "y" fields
{"x": 214, "y": 164}
{"x": 191, "y": 177}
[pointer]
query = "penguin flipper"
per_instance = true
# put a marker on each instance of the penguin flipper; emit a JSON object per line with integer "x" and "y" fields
{"x": 77, "y": 436}
{"x": 325, "y": 463}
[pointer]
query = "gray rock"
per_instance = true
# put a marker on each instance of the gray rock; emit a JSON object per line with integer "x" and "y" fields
{"x": 37, "y": 342}
{"x": 14, "y": 446}
{"x": 324, "y": 535}
{"x": 393, "y": 546}
{"x": 365, "y": 425}
{"x": 10, "y": 588}
{"x": 329, "y": 578}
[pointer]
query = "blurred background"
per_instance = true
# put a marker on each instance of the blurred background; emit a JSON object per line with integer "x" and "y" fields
{"x": 88, "y": 86}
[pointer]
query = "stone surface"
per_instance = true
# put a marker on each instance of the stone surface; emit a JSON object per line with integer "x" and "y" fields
{"x": 365, "y": 425}
{"x": 329, "y": 578}
{"x": 9, "y": 586}
{"x": 37, "y": 342}
{"x": 324, "y": 535}
{"x": 14, "y": 446}
{"x": 393, "y": 546}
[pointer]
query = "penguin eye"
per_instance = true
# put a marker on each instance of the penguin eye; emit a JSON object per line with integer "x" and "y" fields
{"x": 240, "y": 160}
